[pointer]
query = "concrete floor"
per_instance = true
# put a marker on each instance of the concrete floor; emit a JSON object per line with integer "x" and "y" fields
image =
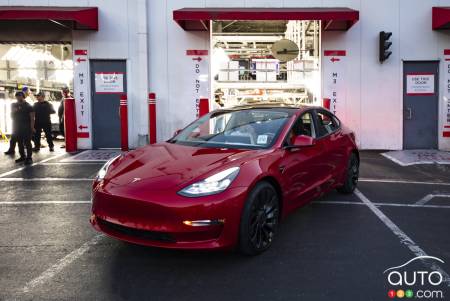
{"x": 336, "y": 248}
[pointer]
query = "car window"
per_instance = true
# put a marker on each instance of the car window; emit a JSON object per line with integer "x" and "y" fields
{"x": 304, "y": 125}
{"x": 248, "y": 128}
{"x": 326, "y": 123}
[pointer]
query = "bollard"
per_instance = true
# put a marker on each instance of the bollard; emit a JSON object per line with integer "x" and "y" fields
{"x": 123, "y": 122}
{"x": 70, "y": 125}
{"x": 203, "y": 107}
{"x": 152, "y": 117}
{"x": 326, "y": 103}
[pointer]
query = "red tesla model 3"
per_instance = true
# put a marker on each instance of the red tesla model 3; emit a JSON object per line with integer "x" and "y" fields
{"x": 226, "y": 180}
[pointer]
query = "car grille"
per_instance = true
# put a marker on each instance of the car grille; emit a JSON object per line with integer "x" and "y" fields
{"x": 143, "y": 234}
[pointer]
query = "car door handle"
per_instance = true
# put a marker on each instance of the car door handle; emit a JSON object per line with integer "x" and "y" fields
{"x": 409, "y": 113}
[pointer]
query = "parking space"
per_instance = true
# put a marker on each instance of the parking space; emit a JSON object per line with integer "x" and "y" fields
{"x": 335, "y": 248}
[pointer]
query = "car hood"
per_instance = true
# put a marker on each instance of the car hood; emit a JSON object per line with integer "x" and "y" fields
{"x": 165, "y": 165}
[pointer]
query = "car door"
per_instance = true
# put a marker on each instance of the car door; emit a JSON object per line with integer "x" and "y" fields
{"x": 330, "y": 136}
{"x": 300, "y": 166}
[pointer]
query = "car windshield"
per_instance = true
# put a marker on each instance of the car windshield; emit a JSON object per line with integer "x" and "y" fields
{"x": 249, "y": 128}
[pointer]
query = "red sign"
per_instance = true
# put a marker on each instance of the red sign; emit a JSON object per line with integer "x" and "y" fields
{"x": 334, "y": 53}
{"x": 82, "y": 135}
{"x": 80, "y": 52}
{"x": 196, "y": 52}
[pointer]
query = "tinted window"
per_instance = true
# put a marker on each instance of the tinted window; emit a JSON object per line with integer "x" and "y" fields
{"x": 303, "y": 126}
{"x": 326, "y": 123}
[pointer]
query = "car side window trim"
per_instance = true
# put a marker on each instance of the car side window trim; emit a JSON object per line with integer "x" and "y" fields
{"x": 313, "y": 124}
{"x": 316, "y": 121}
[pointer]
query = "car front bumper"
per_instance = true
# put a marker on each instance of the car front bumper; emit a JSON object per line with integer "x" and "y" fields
{"x": 162, "y": 219}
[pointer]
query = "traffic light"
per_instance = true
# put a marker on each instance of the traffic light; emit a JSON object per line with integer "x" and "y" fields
{"x": 384, "y": 45}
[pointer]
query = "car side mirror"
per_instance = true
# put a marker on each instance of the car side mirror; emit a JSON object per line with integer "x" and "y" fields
{"x": 302, "y": 141}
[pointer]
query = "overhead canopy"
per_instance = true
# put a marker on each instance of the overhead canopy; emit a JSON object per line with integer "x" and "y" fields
{"x": 80, "y": 18}
{"x": 441, "y": 18}
{"x": 198, "y": 18}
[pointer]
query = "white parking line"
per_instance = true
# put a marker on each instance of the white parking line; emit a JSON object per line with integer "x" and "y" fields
{"x": 401, "y": 181}
{"x": 384, "y": 204}
{"x": 431, "y": 196}
{"x": 404, "y": 239}
{"x": 45, "y": 179}
{"x": 42, "y": 202}
{"x": 73, "y": 163}
{"x": 61, "y": 264}
{"x": 34, "y": 164}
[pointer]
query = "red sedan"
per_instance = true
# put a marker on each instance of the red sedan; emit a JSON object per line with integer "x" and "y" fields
{"x": 226, "y": 180}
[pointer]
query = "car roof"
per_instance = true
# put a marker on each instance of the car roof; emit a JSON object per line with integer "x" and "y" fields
{"x": 271, "y": 106}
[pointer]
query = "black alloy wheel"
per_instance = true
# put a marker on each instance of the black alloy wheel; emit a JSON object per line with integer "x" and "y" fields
{"x": 259, "y": 220}
{"x": 352, "y": 175}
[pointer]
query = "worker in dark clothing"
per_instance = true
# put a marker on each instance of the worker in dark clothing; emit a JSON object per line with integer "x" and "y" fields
{"x": 23, "y": 126}
{"x": 42, "y": 111}
{"x": 13, "y": 140}
{"x": 61, "y": 117}
{"x": 12, "y": 145}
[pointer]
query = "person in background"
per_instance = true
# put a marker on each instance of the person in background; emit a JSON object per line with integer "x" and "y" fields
{"x": 27, "y": 93}
{"x": 65, "y": 94}
{"x": 13, "y": 140}
{"x": 23, "y": 126}
{"x": 42, "y": 111}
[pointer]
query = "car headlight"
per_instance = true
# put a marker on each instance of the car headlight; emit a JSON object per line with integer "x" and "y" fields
{"x": 211, "y": 185}
{"x": 102, "y": 172}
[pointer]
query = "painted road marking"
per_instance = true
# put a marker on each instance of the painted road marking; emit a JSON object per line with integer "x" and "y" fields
{"x": 402, "y": 181}
{"x": 431, "y": 196}
{"x": 45, "y": 179}
{"x": 404, "y": 239}
{"x": 383, "y": 204}
{"x": 73, "y": 163}
{"x": 43, "y": 202}
{"x": 34, "y": 164}
{"x": 61, "y": 264}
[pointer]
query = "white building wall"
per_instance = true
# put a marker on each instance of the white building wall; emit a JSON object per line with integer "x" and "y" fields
{"x": 144, "y": 33}
{"x": 122, "y": 35}
{"x": 373, "y": 95}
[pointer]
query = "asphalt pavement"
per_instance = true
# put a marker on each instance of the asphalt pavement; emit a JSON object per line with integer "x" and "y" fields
{"x": 336, "y": 248}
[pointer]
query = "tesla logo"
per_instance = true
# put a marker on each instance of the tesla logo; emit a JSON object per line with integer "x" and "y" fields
{"x": 334, "y": 59}
{"x": 135, "y": 180}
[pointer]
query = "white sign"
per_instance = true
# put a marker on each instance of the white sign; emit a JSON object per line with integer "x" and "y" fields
{"x": 109, "y": 82}
{"x": 420, "y": 84}
{"x": 200, "y": 69}
{"x": 334, "y": 80}
{"x": 81, "y": 95}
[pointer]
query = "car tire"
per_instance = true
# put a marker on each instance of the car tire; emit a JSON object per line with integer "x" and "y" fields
{"x": 351, "y": 175}
{"x": 259, "y": 220}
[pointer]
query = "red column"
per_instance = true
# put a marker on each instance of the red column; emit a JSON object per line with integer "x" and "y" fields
{"x": 70, "y": 124}
{"x": 203, "y": 107}
{"x": 124, "y": 122}
{"x": 326, "y": 103}
{"x": 152, "y": 117}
